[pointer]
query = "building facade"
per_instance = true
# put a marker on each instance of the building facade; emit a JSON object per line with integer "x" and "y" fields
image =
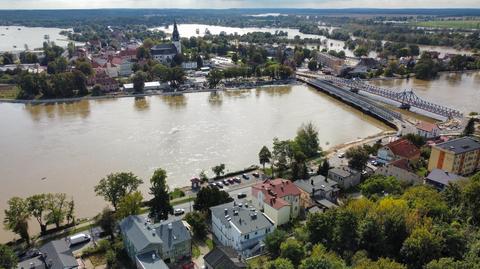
{"x": 401, "y": 170}
{"x": 164, "y": 53}
{"x": 279, "y": 199}
{"x": 241, "y": 227}
{"x": 345, "y": 176}
{"x": 460, "y": 156}
{"x": 396, "y": 150}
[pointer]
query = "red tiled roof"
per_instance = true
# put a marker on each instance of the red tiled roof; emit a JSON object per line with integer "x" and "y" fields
{"x": 404, "y": 148}
{"x": 274, "y": 190}
{"x": 426, "y": 126}
{"x": 402, "y": 164}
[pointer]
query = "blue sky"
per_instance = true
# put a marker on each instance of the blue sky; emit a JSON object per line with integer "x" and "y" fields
{"x": 45, "y": 4}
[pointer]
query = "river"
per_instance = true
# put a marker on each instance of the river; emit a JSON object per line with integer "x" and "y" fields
{"x": 74, "y": 145}
{"x": 15, "y": 38}
{"x": 456, "y": 90}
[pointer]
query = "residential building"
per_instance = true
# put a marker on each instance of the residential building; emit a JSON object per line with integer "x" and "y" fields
{"x": 279, "y": 199}
{"x": 53, "y": 255}
{"x": 101, "y": 78}
{"x": 222, "y": 257}
{"x": 400, "y": 169}
{"x": 316, "y": 189}
{"x": 240, "y": 226}
{"x": 331, "y": 62}
{"x": 460, "y": 156}
{"x": 345, "y": 176}
{"x": 427, "y": 129}
{"x": 148, "y": 244}
{"x": 125, "y": 68}
{"x": 440, "y": 179}
{"x": 164, "y": 53}
{"x": 399, "y": 149}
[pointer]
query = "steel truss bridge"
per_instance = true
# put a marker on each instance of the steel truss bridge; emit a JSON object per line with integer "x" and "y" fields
{"x": 407, "y": 98}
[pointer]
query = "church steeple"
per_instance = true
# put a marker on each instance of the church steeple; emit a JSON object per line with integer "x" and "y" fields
{"x": 175, "y": 34}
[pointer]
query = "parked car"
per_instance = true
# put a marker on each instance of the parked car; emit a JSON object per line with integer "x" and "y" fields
{"x": 78, "y": 238}
{"x": 245, "y": 176}
{"x": 374, "y": 162}
{"x": 237, "y": 179}
{"x": 231, "y": 181}
{"x": 225, "y": 182}
{"x": 212, "y": 184}
{"x": 255, "y": 174}
{"x": 241, "y": 195}
{"x": 220, "y": 185}
{"x": 341, "y": 155}
{"x": 179, "y": 211}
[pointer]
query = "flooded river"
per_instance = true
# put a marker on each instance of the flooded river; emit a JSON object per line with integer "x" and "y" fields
{"x": 74, "y": 145}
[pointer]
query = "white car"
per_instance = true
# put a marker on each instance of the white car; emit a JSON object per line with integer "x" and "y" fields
{"x": 341, "y": 155}
{"x": 179, "y": 211}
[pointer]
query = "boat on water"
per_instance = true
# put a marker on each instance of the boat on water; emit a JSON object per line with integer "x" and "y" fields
{"x": 19, "y": 29}
{"x": 46, "y": 37}
{"x": 14, "y": 46}
{"x": 197, "y": 31}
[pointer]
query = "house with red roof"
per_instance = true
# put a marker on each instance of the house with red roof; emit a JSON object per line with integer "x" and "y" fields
{"x": 279, "y": 199}
{"x": 399, "y": 149}
{"x": 427, "y": 129}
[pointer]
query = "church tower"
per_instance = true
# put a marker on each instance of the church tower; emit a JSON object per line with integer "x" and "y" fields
{"x": 176, "y": 38}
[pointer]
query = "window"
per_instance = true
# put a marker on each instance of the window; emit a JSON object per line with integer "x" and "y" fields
{"x": 247, "y": 236}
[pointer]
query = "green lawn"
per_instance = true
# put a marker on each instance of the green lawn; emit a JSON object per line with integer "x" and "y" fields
{"x": 8, "y": 93}
{"x": 461, "y": 24}
{"x": 195, "y": 251}
{"x": 258, "y": 262}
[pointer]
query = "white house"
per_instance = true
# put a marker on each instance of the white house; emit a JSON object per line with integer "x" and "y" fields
{"x": 427, "y": 130}
{"x": 240, "y": 226}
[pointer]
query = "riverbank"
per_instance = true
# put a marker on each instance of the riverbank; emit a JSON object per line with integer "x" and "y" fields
{"x": 130, "y": 95}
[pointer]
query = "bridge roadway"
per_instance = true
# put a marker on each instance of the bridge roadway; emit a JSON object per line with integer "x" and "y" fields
{"x": 361, "y": 102}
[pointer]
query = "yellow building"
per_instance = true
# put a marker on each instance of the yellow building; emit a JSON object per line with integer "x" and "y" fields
{"x": 459, "y": 156}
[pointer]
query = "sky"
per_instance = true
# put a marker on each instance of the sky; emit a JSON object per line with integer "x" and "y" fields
{"x": 74, "y": 4}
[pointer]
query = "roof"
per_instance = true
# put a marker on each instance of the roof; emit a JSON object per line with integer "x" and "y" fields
{"x": 224, "y": 257}
{"x": 163, "y": 49}
{"x": 426, "y": 126}
{"x": 402, "y": 164}
{"x": 32, "y": 263}
{"x": 150, "y": 260}
{"x": 403, "y": 148}
{"x": 316, "y": 183}
{"x": 59, "y": 254}
{"x": 342, "y": 171}
{"x": 243, "y": 217}
{"x": 327, "y": 204}
{"x": 274, "y": 190}
{"x": 442, "y": 177}
{"x": 460, "y": 145}
{"x": 141, "y": 233}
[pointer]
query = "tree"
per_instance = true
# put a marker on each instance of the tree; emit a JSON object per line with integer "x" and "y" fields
{"x": 360, "y": 51}
{"x": 323, "y": 168}
{"x": 420, "y": 248}
{"x": 381, "y": 263}
{"x": 470, "y": 128}
{"x": 37, "y": 206}
{"x": 117, "y": 185}
{"x": 313, "y": 65}
{"x": 129, "y": 205}
{"x": 161, "y": 72}
{"x": 97, "y": 90}
{"x": 57, "y": 208}
{"x": 307, "y": 140}
{"x": 214, "y": 77}
{"x": 210, "y": 196}
{"x": 85, "y": 67}
{"x": 235, "y": 58}
{"x": 198, "y": 222}
{"x": 280, "y": 263}
{"x": 425, "y": 68}
{"x": 8, "y": 259}
{"x": 16, "y": 217}
{"x": 417, "y": 140}
{"x": 357, "y": 158}
{"x": 176, "y": 76}
{"x": 264, "y": 156}
{"x": 70, "y": 214}
{"x": 106, "y": 220}
{"x": 160, "y": 205}
{"x": 292, "y": 249}
{"x": 143, "y": 52}
{"x": 380, "y": 185}
{"x": 8, "y": 58}
{"x": 273, "y": 241}
{"x": 139, "y": 81}
{"x": 219, "y": 170}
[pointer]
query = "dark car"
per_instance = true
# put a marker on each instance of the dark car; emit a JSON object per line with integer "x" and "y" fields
{"x": 245, "y": 176}
{"x": 225, "y": 182}
{"x": 255, "y": 174}
{"x": 231, "y": 181}
{"x": 237, "y": 179}
{"x": 220, "y": 185}
{"x": 241, "y": 195}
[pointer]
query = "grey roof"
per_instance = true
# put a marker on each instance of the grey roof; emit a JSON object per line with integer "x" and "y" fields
{"x": 460, "y": 145}
{"x": 327, "y": 204}
{"x": 59, "y": 254}
{"x": 224, "y": 257}
{"x": 150, "y": 260}
{"x": 343, "y": 171}
{"x": 32, "y": 263}
{"x": 316, "y": 183}
{"x": 245, "y": 219}
{"x": 141, "y": 233}
{"x": 163, "y": 49}
{"x": 442, "y": 177}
